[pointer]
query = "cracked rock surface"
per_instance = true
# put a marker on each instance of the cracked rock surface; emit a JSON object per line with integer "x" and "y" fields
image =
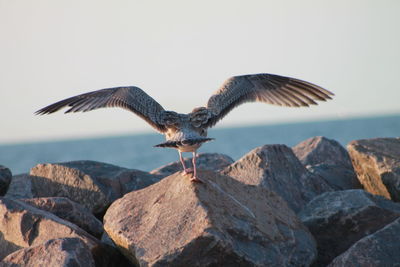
{"x": 221, "y": 222}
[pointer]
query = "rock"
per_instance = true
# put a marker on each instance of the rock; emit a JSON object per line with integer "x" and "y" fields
{"x": 118, "y": 260}
{"x": 338, "y": 219}
{"x": 204, "y": 161}
{"x": 221, "y": 222}
{"x": 381, "y": 248}
{"x": 321, "y": 150}
{"x": 107, "y": 240}
{"x": 69, "y": 211}
{"x": 5, "y": 179}
{"x": 327, "y": 158}
{"x": 276, "y": 168}
{"x": 20, "y": 187}
{"x": 93, "y": 184}
{"x": 377, "y": 164}
{"x": 55, "y": 252}
{"x": 22, "y": 225}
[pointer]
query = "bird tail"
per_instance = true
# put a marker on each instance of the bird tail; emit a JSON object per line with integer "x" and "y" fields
{"x": 186, "y": 142}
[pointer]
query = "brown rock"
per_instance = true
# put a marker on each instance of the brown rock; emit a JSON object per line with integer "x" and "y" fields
{"x": 276, "y": 168}
{"x": 204, "y": 161}
{"x": 55, "y": 252}
{"x": 20, "y": 187}
{"x": 221, "y": 222}
{"x": 93, "y": 184}
{"x": 5, "y": 179}
{"x": 321, "y": 150}
{"x": 377, "y": 164}
{"x": 69, "y": 211}
{"x": 22, "y": 225}
{"x": 328, "y": 159}
{"x": 381, "y": 248}
{"x": 339, "y": 219}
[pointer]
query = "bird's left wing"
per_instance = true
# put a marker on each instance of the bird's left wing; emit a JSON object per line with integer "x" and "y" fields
{"x": 268, "y": 88}
{"x": 131, "y": 98}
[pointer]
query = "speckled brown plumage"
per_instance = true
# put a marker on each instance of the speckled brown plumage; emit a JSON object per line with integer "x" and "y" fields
{"x": 187, "y": 132}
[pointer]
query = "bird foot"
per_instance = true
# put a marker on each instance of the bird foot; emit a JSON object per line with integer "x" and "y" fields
{"x": 188, "y": 171}
{"x": 196, "y": 180}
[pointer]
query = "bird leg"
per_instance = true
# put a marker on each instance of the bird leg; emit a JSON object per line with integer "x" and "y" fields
{"x": 186, "y": 170}
{"x": 195, "y": 178}
{"x": 189, "y": 170}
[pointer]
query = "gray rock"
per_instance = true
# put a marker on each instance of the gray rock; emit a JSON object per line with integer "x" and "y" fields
{"x": 337, "y": 177}
{"x": 69, "y": 211}
{"x": 93, "y": 184}
{"x": 221, "y": 222}
{"x": 339, "y": 219}
{"x": 55, "y": 252}
{"x": 377, "y": 163}
{"x": 119, "y": 260}
{"x": 107, "y": 240}
{"x": 328, "y": 159}
{"x": 276, "y": 168}
{"x": 381, "y": 248}
{"x": 204, "y": 161}
{"x": 5, "y": 179}
{"x": 321, "y": 150}
{"x": 20, "y": 187}
{"x": 22, "y": 225}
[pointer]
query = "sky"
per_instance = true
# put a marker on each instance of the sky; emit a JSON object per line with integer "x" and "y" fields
{"x": 180, "y": 52}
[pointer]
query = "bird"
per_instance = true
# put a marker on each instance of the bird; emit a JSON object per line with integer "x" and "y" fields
{"x": 187, "y": 132}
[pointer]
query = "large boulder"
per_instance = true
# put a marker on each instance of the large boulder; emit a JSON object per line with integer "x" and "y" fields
{"x": 93, "y": 184}
{"x": 69, "y": 211}
{"x": 381, "y": 248}
{"x": 221, "y": 222}
{"x": 22, "y": 225}
{"x": 276, "y": 168}
{"x": 5, "y": 179}
{"x": 329, "y": 159}
{"x": 338, "y": 219}
{"x": 55, "y": 253}
{"x": 204, "y": 161}
{"x": 377, "y": 163}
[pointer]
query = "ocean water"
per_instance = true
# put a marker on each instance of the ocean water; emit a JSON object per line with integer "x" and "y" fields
{"x": 137, "y": 151}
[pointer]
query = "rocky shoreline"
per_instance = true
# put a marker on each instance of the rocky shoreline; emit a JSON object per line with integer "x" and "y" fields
{"x": 315, "y": 204}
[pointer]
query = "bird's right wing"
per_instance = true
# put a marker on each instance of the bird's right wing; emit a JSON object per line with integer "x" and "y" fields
{"x": 131, "y": 98}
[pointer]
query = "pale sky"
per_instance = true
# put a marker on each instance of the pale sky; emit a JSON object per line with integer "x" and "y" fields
{"x": 180, "y": 52}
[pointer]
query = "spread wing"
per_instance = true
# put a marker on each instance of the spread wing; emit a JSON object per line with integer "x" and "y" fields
{"x": 131, "y": 98}
{"x": 268, "y": 88}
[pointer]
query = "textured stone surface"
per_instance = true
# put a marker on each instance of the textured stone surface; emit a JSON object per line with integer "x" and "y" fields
{"x": 377, "y": 163}
{"x": 20, "y": 187}
{"x": 381, "y": 248}
{"x": 5, "y": 179}
{"x": 327, "y": 158}
{"x": 338, "y": 219}
{"x": 107, "y": 240}
{"x": 93, "y": 184}
{"x": 221, "y": 222}
{"x": 61, "y": 252}
{"x": 204, "y": 161}
{"x": 69, "y": 211}
{"x": 276, "y": 168}
{"x": 319, "y": 149}
{"x": 22, "y": 225}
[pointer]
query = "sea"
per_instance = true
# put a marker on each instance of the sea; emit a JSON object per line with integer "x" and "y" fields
{"x": 136, "y": 151}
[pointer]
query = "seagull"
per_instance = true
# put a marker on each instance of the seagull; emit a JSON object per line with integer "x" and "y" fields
{"x": 187, "y": 132}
